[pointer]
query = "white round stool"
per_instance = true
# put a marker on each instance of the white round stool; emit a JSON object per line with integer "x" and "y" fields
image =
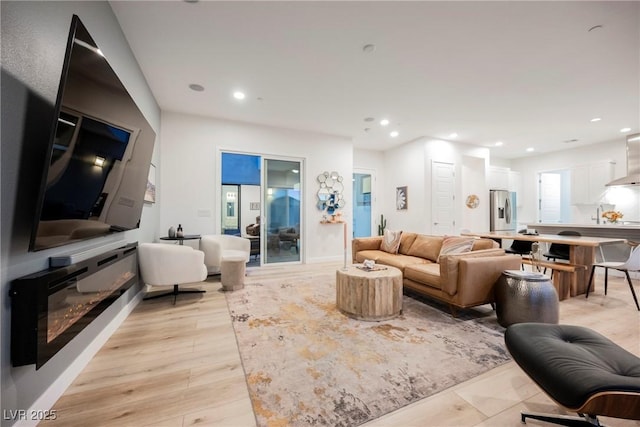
{"x": 232, "y": 271}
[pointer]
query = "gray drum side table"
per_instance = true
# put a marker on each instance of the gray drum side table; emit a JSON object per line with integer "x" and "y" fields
{"x": 525, "y": 297}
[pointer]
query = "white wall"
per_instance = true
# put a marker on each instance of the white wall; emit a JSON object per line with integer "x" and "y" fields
{"x": 189, "y": 180}
{"x": 626, "y": 198}
{"x": 410, "y": 165}
{"x": 473, "y": 177}
{"x": 34, "y": 36}
{"x": 405, "y": 166}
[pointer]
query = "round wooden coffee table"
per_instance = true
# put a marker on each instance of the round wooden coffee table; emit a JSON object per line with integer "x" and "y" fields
{"x": 369, "y": 295}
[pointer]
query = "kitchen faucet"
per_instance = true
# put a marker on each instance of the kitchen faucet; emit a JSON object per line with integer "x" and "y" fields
{"x": 597, "y": 218}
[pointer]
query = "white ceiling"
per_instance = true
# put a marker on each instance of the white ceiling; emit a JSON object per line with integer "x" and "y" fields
{"x": 529, "y": 74}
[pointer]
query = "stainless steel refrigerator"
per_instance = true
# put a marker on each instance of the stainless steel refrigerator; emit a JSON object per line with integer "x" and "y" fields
{"x": 503, "y": 210}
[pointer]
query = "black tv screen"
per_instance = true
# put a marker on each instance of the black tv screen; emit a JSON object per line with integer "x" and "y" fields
{"x": 100, "y": 149}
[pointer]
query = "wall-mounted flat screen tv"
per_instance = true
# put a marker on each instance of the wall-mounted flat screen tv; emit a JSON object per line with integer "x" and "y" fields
{"x": 100, "y": 149}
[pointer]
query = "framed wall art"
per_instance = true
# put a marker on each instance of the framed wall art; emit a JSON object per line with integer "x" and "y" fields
{"x": 401, "y": 198}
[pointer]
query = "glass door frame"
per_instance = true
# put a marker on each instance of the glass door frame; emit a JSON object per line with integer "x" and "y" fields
{"x": 217, "y": 218}
{"x": 374, "y": 199}
{"x": 263, "y": 206}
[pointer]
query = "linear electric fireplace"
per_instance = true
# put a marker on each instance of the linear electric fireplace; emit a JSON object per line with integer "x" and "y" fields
{"x": 51, "y": 307}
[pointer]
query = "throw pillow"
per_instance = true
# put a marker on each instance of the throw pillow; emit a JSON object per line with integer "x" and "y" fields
{"x": 391, "y": 241}
{"x": 456, "y": 245}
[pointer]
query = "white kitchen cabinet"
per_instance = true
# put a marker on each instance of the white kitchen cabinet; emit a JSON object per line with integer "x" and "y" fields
{"x": 498, "y": 178}
{"x": 515, "y": 185}
{"x": 588, "y": 182}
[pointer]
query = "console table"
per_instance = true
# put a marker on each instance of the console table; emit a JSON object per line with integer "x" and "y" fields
{"x": 181, "y": 240}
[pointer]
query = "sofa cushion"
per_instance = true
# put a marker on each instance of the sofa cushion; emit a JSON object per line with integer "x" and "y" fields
{"x": 428, "y": 274}
{"x": 480, "y": 244}
{"x": 456, "y": 245}
{"x": 427, "y": 247}
{"x": 406, "y": 241}
{"x": 391, "y": 241}
{"x": 385, "y": 258}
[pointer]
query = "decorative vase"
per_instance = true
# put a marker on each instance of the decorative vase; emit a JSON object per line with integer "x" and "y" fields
{"x": 172, "y": 232}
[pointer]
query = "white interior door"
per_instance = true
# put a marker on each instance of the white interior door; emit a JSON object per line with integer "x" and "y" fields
{"x": 442, "y": 198}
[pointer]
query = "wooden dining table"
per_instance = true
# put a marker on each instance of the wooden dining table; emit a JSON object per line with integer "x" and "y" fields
{"x": 582, "y": 249}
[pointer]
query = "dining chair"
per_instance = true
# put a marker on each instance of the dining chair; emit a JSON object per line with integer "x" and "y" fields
{"x": 631, "y": 264}
{"x": 520, "y": 247}
{"x": 559, "y": 250}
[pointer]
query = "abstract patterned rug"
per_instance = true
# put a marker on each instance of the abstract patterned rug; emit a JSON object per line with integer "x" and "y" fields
{"x": 308, "y": 364}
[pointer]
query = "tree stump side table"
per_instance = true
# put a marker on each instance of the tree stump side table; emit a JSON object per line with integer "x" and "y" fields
{"x": 369, "y": 295}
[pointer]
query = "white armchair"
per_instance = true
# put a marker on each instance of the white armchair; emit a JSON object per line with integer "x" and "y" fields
{"x": 215, "y": 246}
{"x": 163, "y": 264}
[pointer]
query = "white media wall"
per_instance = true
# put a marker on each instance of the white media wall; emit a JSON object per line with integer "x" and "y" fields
{"x": 190, "y": 174}
{"x": 34, "y": 37}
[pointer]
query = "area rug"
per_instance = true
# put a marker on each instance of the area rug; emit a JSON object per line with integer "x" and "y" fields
{"x": 307, "y": 364}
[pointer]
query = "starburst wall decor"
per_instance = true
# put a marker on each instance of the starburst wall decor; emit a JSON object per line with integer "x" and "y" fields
{"x": 401, "y": 198}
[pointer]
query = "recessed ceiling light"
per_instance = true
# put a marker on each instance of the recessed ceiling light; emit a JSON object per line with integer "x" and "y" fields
{"x": 384, "y": 122}
{"x": 625, "y": 129}
{"x": 569, "y": 141}
{"x": 369, "y": 119}
{"x": 498, "y": 144}
{"x": 196, "y": 87}
{"x": 238, "y": 95}
{"x": 595, "y": 27}
{"x": 530, "y": 149}
{"x": 453, "y": 135}
{"x": 367, "y": 129}
{"x": 394, "y": 134}
{"x": 596, "y": 119}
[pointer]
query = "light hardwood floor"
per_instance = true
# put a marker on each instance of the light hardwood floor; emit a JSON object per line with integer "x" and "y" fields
{"x": 179, "y": 366}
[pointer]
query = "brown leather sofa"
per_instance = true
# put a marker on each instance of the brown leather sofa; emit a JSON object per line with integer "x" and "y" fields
{"x": 460, "y": 280}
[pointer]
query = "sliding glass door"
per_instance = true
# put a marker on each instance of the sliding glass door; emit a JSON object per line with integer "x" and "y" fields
{"x": 282, "y": 210}
{"x": 260, "y": 200}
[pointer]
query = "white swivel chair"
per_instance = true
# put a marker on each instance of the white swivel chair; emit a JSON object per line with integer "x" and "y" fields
{"x": 171, "y": 265}
{"x": 217, "y": 246}
{"x": 631, "y": 264}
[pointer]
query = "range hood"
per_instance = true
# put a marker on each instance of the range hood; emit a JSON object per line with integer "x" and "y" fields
{"x": 633, "y": 162}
